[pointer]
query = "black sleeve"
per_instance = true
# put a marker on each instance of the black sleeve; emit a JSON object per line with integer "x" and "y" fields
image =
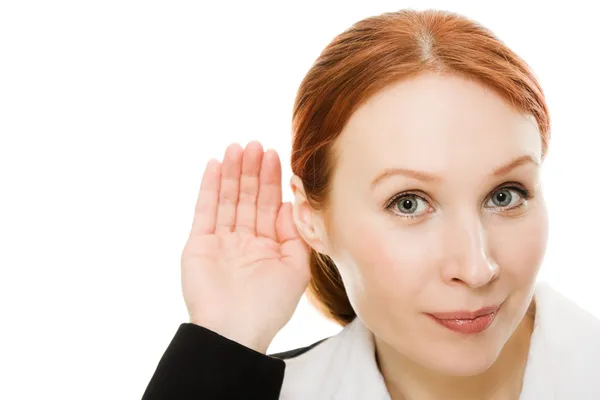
{"x": 201, "y": 364}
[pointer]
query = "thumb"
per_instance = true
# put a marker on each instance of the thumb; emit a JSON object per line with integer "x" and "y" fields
{"x": 292, "y": 244}
{"x": 285, "y": 226}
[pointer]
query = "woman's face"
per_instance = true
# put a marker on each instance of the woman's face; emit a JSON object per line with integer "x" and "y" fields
{"x": 436, "y": 207}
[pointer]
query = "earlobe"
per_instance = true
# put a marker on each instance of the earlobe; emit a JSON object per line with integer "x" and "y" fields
{"x": 307, "y": 220}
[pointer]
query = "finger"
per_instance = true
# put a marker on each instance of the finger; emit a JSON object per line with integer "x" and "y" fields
{"x": 205, "y": 212}
{"x": 269, "y": 195}
{"x": 245, "y": 220}
{"x": 229, "y": 190}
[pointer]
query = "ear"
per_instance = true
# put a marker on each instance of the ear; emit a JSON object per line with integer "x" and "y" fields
{"x": 309, "y": 222}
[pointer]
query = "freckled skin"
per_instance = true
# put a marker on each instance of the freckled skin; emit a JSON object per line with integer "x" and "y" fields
{"x": 461, "y": 251}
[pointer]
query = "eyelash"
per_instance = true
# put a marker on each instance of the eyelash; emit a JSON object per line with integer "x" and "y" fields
{"x": 523, "y": 192}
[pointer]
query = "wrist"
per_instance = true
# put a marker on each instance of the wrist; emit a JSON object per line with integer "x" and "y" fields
{"x": 246, "y": 339}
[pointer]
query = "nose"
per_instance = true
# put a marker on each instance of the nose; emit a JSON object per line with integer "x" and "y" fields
{"x": 467, "y": 257}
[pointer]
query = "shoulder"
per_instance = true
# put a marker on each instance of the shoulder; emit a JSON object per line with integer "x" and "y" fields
{"x": 308, "y": 369}
{"x": 560, "y": 320}
{"x": 341, "y": 366}
{"x": 565, "y": 348}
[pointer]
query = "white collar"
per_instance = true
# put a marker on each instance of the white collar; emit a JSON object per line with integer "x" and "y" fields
{"x": 561, "y": 363}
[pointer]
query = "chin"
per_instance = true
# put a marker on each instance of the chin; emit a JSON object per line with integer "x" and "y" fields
{"x": 467, "y": 357}
{"x": 465, "y": 365}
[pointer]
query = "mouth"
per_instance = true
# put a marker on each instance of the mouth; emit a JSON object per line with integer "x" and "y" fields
{"x": 467, "y": 322}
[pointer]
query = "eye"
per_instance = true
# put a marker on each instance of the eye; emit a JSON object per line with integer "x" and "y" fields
{"x": 408, "y": 205}
{"x": 508, "y": 198}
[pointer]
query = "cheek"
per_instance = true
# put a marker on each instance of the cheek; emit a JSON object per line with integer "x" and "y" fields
{"x": 381, "y": 265}
{"x": 519, "y": 249}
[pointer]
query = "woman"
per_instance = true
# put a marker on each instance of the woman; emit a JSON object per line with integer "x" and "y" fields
{"x": 418, "y": 223}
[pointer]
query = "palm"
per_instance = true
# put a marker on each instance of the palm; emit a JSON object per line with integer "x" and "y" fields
{"x": 244, "y": 254}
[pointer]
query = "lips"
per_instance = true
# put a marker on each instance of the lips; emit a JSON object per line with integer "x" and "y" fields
{"x": 466, "y": 314}
{"x": 467, "y": 322}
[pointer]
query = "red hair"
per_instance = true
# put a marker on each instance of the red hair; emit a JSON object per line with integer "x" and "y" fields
{"x": 370, "y": 55}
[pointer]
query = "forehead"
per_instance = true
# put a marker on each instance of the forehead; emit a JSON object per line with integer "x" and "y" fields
{"x": 441, "y": 124}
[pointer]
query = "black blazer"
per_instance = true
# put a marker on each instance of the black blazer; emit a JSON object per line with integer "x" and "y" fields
{"x": 201, "y": 364}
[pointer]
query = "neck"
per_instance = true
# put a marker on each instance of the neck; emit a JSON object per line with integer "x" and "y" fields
{"x": 503, "y": 380}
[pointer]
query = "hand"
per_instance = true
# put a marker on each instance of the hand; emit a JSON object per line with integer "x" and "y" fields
{"x": 244, "y": 266}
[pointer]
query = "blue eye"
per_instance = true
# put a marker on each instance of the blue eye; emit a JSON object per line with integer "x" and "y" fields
{"x": 411, "y": 205}
{"x": 508, "y": 198}
{"x": 408, "y": 205}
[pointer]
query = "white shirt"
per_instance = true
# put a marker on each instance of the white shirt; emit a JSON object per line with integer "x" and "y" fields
{"x": 563, "y": 361}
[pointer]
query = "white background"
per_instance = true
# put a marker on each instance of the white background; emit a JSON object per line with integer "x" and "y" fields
{"x": 109, "y": 111}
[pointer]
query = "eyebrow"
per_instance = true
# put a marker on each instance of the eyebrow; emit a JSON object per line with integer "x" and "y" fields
{"x": 427, "y": 177}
